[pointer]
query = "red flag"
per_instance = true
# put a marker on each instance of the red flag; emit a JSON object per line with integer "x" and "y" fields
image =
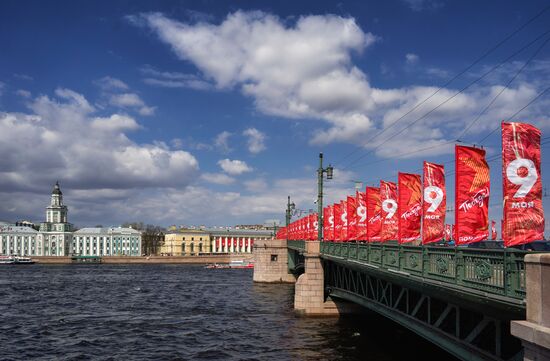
{"x": 337, "y": 222}
{"x": 344, "y": 220}
{"x": 352, "y": 218}
{"x": 315, "y": 233}
{"x": 493, "y": 230}
{"x": 471, "y": 195}
{"x": 388, "y": 196}
{"x": 522, "y": 185}
{"x": 361, "y": 216}
{"x": 374, "y": 214}
{"x": 448, "y": 232}
{"x": 409, "y": 207}
{"x": 434, "y": 204}
{"x": 326, "y": 223}
{"x": 331, "y": 223}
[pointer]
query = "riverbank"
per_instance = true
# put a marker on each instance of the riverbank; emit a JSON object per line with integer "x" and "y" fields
{"x": 203, "y": 259}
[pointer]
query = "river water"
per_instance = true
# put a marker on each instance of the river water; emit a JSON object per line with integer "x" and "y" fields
{"x": 178, "y": 312}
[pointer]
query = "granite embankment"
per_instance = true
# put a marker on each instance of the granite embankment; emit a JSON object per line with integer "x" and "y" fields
{"x": 203, "y": 259}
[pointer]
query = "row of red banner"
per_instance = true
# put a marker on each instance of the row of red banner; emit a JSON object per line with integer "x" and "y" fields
{"x": 417, "y": 211}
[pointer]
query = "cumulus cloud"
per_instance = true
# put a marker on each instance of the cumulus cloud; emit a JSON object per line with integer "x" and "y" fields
{"x": 304, "y": 70}
{"x": 234, "y": 167}
{"x": 256, "y": 140}
{"x": 23, "y": 93}
{"x": 131, "y": 100}
{"x": 60, "y": 138}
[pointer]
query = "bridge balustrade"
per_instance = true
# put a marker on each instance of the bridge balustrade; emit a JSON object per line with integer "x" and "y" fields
{"x": 498, "y": 272}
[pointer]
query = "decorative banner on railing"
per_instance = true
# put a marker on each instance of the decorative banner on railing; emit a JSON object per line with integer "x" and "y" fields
{"x": 374, "y": 214}
{"x": 361, "y": 216}
{"x": 352, "y": 219}
{"x": 522, "y": 185}
{"x": 315, "y": 223}
{"x": 331, "y": 222}
{"x": 388, "y": 196}
{"x": 337, "y": 222}
{"x": 344, "y": 220}
{"x": 434, "y": 204}
{"x": 326, "y": 224}
{"x": 409, "y": 207}
{"x": 471, "y": 195}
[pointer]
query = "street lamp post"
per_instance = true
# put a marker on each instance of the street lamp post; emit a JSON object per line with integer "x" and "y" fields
{"x": 329, "y": 171}
{"x": 289, "y": 208}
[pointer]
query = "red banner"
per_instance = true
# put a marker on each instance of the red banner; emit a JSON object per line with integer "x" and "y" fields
{"x": 471, "y": 195}
{"x": 374, "y": 214}
{"x": 352, "y": 218}
{"x": 388, "y": 196}
{"x": 361, "y": 216}
{"x": 493, "y": 230}
{"x": 344, "y": 220}
{"x": 337, "y": 222}
{"x": 522, "y": 185}
{"x": 434, "y": 204}
{"x": 331, "y": 223}
{"x": 409, "y": 207}
{"x": 315, "y": 224}
{"x": 448, "y": 232}
{"x": 325, "y": 223}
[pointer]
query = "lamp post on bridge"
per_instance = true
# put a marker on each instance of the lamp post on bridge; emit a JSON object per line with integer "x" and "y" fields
{"x": 289, "y": 208}
{"x": 329, "y": 171}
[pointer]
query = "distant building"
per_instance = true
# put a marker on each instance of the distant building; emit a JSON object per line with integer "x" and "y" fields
{"x": 187, "y": 242}
{"x": 55, "y": 237}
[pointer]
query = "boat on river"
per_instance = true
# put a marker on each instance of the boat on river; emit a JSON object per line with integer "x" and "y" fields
{"x": 232, "y": 264}
{"x": 15, "y": 259}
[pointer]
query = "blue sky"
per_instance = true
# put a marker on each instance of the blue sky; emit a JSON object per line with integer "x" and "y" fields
{"x": 211, "y": 112}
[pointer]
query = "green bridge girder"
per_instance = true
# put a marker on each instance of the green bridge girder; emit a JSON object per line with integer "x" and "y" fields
{"x": 461, "y": 299}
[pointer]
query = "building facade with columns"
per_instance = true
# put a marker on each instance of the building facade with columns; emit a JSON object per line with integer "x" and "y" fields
{"x": 236, "y": 241}
{"x": 186, "y": 243}
{"x": 55, "y": 236}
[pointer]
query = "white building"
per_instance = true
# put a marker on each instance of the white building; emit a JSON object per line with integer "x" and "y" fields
{"x": 106, "y": 242}
{"x": 56, "y": 236}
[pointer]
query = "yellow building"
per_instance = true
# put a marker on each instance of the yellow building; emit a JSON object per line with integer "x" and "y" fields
{"x": 186, "y": 243}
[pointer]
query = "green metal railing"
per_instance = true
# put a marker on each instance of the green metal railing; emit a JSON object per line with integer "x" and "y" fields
{"x": 296, "y": 245}
{"x": 496, "y": 271}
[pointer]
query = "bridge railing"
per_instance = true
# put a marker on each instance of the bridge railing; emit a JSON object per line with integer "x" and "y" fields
{"x": 298, "y": 245}
{"x": 498, "y": 271}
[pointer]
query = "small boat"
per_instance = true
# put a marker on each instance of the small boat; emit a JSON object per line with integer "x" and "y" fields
{"x": 232, "y": 264}
{"x": 15, "y": 259}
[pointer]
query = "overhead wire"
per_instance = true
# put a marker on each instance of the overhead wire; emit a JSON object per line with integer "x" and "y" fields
{"x": 475, "y": 62}
{"x": 449, "y": 98}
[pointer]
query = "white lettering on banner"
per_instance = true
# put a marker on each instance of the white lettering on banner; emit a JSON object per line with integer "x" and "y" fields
{"x": 344, "y": 217}
{"x": 331, "y": 221}
{"x": 436, "y": 201}
{"x": 528, "y": 181}
{"x": 376, "y": 218}
{"x": 390, "y": 207}
{"x": 415, "y": 210}
{"x": 477, "y": 200}
{"x": 362, "y": 213}
{"x": 523, "y": 204}
{"x": 431, "y": 216}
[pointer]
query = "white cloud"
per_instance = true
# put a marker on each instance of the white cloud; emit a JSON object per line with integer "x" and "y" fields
{"x": 411, "y": 58}
{"x": 256, "y": 140}
{"x": 60, "y": 138}
{"x": 173, "y": 79}
{"x": 304, "y": 70}
{"x": 222, "y": 141}
{"x": 217, "y": 178}
{"x": 234, "y": 167}
{"x": 131, "y": 100}
{"x": 109, "y": 83}
{"x": 23, "y": 93}
{"x": 256, "y": 185}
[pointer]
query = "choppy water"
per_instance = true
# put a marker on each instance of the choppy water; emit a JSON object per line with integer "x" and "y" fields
{"x": 178, "y": 312}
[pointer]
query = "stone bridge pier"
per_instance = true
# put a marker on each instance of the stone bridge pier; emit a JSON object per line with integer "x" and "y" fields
{"x": 535, "y": 331}
{"x": 309, "y": 294}
{"x": 271, "y": 262}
